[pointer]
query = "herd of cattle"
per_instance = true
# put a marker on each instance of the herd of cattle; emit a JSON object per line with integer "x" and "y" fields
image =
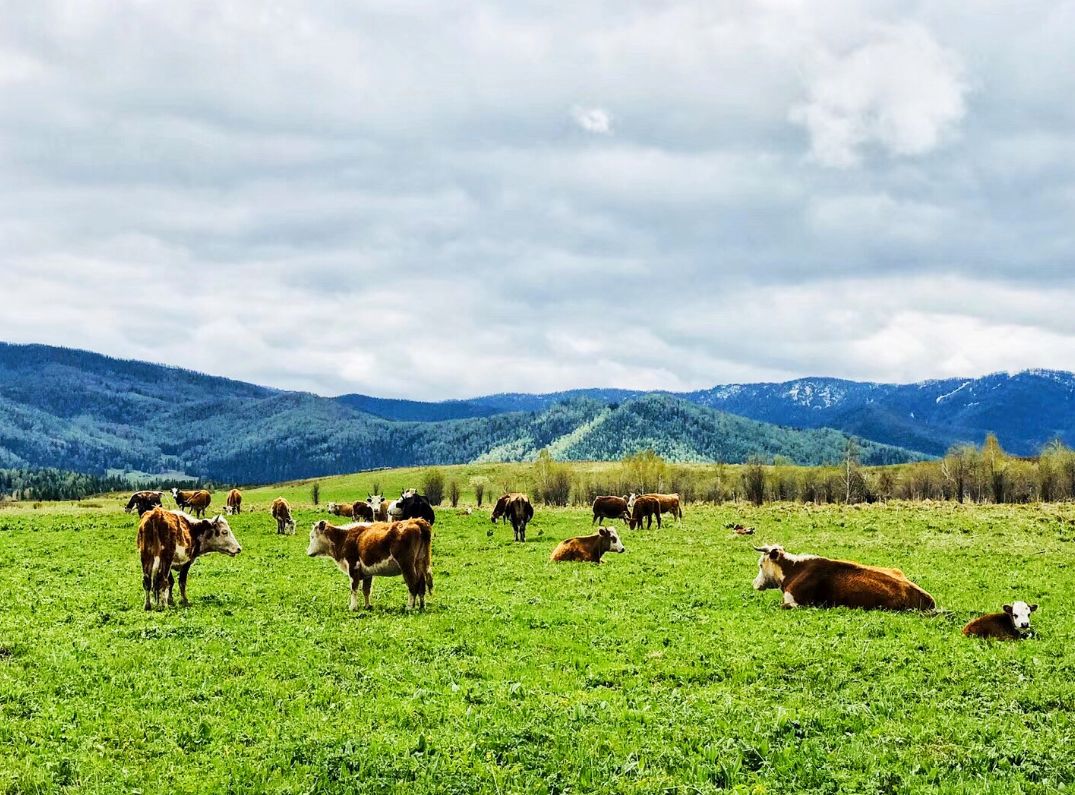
{"x": 394, "y": 539}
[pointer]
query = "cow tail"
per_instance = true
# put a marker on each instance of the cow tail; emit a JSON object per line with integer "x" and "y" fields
{"x": 423, "y": 560}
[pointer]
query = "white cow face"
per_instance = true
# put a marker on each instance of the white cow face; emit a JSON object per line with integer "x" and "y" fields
{"x": 374, "y": 501}
{"x": 219, "y": 538}
{"x": 1020, "y": 613}
{"x": 319, "y": 542}
{"x": 615, "y": 545}
{"x": 770, "y": 574}
{"x": 631, "y": 501}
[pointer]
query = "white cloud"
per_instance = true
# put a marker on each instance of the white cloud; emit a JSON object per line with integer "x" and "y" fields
{"x": 595, "y": 120}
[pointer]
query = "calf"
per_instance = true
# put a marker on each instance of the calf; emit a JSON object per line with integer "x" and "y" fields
{"x": 518, "y": 510}
{"x": 382, "y": 549}
{"x": 174, "y": 540}
{"x": 645, "y": 508}
{"x": 143, "y": 501}
{"x": 196, "y": 501}
{"x": 234, "y": 502}
{"x": 281, "y": 512}
{"x": 610, "y": 508}
{"x": 809, "y": 580}
{"x": 1009, "y": 625}
{"x": 588, "y": 549}
{"x": 362, "y": 511}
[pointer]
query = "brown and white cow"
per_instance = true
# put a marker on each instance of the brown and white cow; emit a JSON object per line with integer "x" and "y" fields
{"x": 382, "y": 549}
{"x": 379, "y": 506}
{"x": 809, "y": 580}
{"x": 281, "y": 512}
{"x": 197, "y": 501}
{"x": 340, "y": 509}
{"x": 362, "y": 511}
{"x": 644, "y": 509}
{"x": 143, "y": 501}
{"x": 517, "y": 509}
{"x": 588, "y": 549}
{"x": 234, "y": 503}
{"x": 1008, "y": 625}
{"x": 174, "y": 540}
{"x": 610, "y": 508}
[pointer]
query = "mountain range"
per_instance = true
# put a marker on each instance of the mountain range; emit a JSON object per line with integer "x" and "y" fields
{"x": 86, "y": 412}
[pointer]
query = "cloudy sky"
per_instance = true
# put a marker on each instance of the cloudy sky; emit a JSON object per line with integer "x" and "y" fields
{"x": 445, "y": 199}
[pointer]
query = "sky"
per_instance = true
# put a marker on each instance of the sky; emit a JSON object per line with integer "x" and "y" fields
{"x": 445, "y": 199}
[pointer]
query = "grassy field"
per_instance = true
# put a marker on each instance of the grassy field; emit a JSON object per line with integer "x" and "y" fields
{"x": 660, "y": 670}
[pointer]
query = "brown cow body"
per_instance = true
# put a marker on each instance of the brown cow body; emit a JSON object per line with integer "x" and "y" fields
{"x": 234, "y": 502}
{"x": 382, "y": 549}
{"x": 1008, "y": 625}
{"x": 644, "y": 509}
{"x": 809, "y": 580}
{"x": 174, "y": 540}
{"x": 196, "y": 501}
{"x": 362, "y": 511}
{"x": 340, "y": 509}
{"x": 516, "y": 508}
{"x": 610, "y": 508}
{"x": 143, "y": 501}
{"x": 281, "y": 512}
{"x": 668, "y": 503}
{"x": 588, "y": 549}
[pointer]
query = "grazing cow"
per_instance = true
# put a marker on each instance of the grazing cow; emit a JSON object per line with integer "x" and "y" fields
{"x": 235, "y": 502}
{"x": 281, "y": 512}
{"x": 808, "y": 580}
{"x": 645, "y": 508}
{"x": 378, "y": 506}
{"x": 1008, "y": 625}
{"x": 588, "y": 549}
{"x": 382, "y": 549}
{"x": 174, "y": 540}
{"x": 414, "y": 506}
{"x": 362, "y": 511}
{"x": 610, "y": 508}
{"x": 340, "y": 509}
{"x": 196, "y": 501}
{"x": 517, "y": 509}
{"x": 143, "y": 501}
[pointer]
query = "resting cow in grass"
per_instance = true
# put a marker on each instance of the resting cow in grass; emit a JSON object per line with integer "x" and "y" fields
{"x": 143, "y": 501}
{"x": 809, "y": 580}
{"x": 518, "y": 510}
{"x": 234, "y": 503}
{"x": 382, "y": 549}
{"x": 174, "y": 540}
{"x": 1012, "y": 624}
{"x": 281, "y": 512}
{"x": 610, "y": 508}
{"x": 588, "y": 549}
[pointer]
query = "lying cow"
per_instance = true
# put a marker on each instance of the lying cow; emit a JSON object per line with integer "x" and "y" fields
{"x": 362, "y": 511}
{"x": 340, "y": 509}
{"x": 809, "y": 580}
{"x": 1008, "y": 625}
{"x": 281, "y": 512}
{"x": 382, "y": 549}
{"x": 588, "y": 549}
{"x": 174, "y": 540}
{"x": 644, "y": 509}
{"x": 610, "y": 508}
{"x": 517, "y": 509}
{"x": 196, "y": 501}
{"x": 234, "y": 504}
{"x": 143, "y": 501}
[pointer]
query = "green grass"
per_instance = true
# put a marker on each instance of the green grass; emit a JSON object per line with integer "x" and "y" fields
{"x": 660, "y": 670}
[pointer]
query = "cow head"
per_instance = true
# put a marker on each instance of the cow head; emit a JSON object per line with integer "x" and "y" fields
{"x": 175, "y": 493}
{"x": 770, "y": 575}
{"x": 219, "y": 538}
{"x": 1020, "y": 613}
{"x": 319, "y": 542}
{"x": 631, "y": 501}
{"x": 374, "y": 501}
{"x": 614, "y": 543}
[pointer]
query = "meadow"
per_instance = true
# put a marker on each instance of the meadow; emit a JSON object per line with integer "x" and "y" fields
{"x": 660, "y": 670}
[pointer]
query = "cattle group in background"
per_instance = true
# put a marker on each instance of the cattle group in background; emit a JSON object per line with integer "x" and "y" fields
{"x": 174, "y": 540}
{"x": 517, "y": 509}
{"x": 610, "y": 508}
{"x": 588, "y": 549}
{"x": 1007, "y": 625}
{"x": 668, "y": 503}
{"x": 362, "y": 511}
{"x": 281, "y": 512}
{"x": 413, "y": 505}
{"x": 383, "y": 549}
{"x": 196, "y": 501}
{"x": 644, "y": 509}
{"x": 234, "y": 504}
{"x": 809, "y": 580}
{"x": 143, "y": 501}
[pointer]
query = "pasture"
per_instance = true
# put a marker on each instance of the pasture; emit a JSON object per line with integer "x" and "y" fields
{"x": 657, "y": 671}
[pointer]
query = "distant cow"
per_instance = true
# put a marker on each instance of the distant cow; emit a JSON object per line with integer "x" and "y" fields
{"x": 809, "y": 580}
{"x": 143, "y": 501}
{"x": 644, "y": 509}
{"x": 414, "y": 506}
{"x": 234, "y": 503}
{"x": 362, "y": 511}
{"x": 281, "y": 512}
{"x": 669, "y": 503}
{"x": 518, "y": 510}
{"x": 382, "y": 549}
{"x": 1009, "y": 625}
{"x": 610, "y": 508}
{"x": 174, "y": 540}
{"x": 588, "y": 549}
{"x": 340, "y": 509}
{"x": 195, "y": 501}
{"x": 378, "y": 506}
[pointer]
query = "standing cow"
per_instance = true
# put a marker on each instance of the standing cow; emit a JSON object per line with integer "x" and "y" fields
{"x": 197, "y": 501}
{"x": 643, "y": 510}
{"x": 234, "y": 504}
{"x": 668, "y": 503}
{"x": 610, "y": 508}
{"x": 378, "y": 506}
{"x": 414, "y": 506}
{"x": 143, "y": 501}
{"x": 340, "y": 509}
{"x": 517, "y": 509}
{"x": 174, "y": 540}
{"x": 362, "y": 511}
{"x": 281, "y": 512}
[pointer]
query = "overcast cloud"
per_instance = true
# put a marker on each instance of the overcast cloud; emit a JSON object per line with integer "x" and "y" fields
{"x": 443, "y": 199}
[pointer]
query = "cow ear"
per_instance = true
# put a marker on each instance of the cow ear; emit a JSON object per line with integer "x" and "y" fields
{"x": 603, "y": 531}
{"x": 1008, "y": 609}
{"x": 1033, "y": 608}
{"x": 774, "y": 554}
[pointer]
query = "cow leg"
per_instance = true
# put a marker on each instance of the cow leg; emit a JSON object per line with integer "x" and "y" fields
{"x": 367, "y": 586}
{"x": 147, "y": 580}
{"x": 171, "y": 584}
{"x": 658, "y": 520}
{"x": 522, "y": 532}
{"x": 183, "y": 583}
{"x": 594, "y": 520}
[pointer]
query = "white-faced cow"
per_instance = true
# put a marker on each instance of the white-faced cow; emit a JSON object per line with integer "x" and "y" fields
{"x": 143, "y": 501}
{"x": 281, "y": 512}
{"x": 1008, "y": 625}
{"x": 588, "y": 549}
{"x": 196, "y": 501}
{"x": 379, "y": 507}
{"x": 174, "y": 540}
{"x": 809, "y": 580}
{"x": 610, "y": 508}
{"x": 382, "y": 549}
{"x": 518, "y": 510}
{"x": 234, "y": 504}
